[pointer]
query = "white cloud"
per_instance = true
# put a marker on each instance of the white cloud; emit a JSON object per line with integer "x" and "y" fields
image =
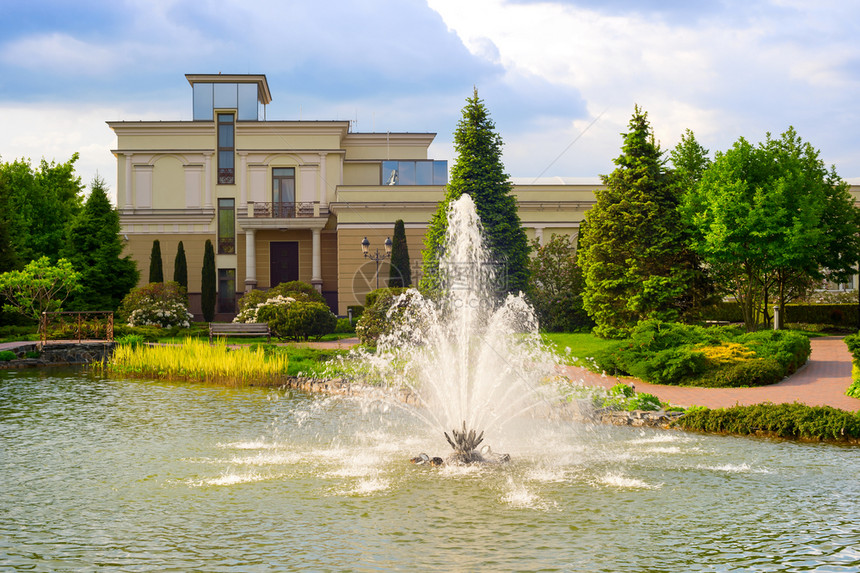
{"x": 56, "y": 131}
{"x": 743, "y": 71}
{"x": 61, "y": 54}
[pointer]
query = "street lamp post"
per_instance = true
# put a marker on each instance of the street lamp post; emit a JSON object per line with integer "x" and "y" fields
{"x": 376, "y": 256}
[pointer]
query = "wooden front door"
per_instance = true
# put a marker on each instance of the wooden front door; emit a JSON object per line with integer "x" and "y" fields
{"x": 283, "y": 262}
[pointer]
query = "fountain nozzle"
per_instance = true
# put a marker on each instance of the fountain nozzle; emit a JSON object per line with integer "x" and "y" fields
{"x": 464, "y": 442}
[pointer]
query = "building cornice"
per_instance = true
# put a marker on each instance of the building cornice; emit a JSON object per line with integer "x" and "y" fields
{"x": 136, "y": 216}
{"x": 263, "y": 94}
{"x": 398, "y": 139}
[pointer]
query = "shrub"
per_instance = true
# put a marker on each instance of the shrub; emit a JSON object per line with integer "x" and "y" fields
{"x": 7, "y": 355}
{"x": 781, "y": 420}
{"x": 295, "y": 290}
{"x": 344, "y": 326}
{"x": 669, "y": 353}
{"x": 133, "y": 340}
{"x": 298, "y": 320}
{"x": 644, "y": 401}
{"x": 790, "y": 349}
{"x": 155, "y": 304}
{"x": 374, "y": 320}
{"x": 853, "y": 343}
{"x": 854, "y": 390}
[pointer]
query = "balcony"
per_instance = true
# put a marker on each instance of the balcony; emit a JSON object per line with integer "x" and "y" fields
{"x": 303, "y": 215}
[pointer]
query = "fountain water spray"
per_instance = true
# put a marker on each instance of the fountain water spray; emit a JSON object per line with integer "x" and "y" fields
{"x": 472, "y": 355}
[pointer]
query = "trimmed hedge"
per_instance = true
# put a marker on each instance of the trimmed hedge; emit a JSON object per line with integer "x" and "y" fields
{"x": 796, "y": 421}
{"x": 687, "y": 355}
{"x": 829, "y": 314}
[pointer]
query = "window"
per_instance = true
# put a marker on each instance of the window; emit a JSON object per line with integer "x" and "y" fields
{"x": 421, "y": 172}
{"x": 242, "y": 97}
{"x": 226, "y": 148}
{"x": 226, "y": 227}
{"x": 283, "y": 192}
{"x": 226, "y": 290}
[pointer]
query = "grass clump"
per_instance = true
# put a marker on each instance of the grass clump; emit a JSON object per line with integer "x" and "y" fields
{"x": 794, "y": 421}
{"x": 198, "y": 361}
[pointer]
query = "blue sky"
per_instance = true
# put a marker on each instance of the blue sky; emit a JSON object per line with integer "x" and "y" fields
{"x": 560, "y": 78}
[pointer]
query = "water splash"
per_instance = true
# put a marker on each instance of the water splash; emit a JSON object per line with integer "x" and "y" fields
{"x": 471, "y": 355}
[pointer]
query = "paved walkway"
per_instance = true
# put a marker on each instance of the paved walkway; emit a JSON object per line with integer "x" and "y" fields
{"x": 821, "y": 382}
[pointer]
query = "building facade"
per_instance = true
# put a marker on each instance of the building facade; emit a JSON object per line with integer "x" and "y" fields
{"x": 290, "y": 200}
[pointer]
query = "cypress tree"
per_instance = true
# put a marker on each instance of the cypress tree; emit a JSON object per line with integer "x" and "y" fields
{"x": 400, "y": 273}
{"x": 180, "y": 267}
{"x": 479, "y": 172}
{"x": 208, "y": 286}
{"x": 156, "y": 271}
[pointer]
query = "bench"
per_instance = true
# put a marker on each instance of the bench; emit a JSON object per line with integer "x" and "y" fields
{"x": 239, "y": 329}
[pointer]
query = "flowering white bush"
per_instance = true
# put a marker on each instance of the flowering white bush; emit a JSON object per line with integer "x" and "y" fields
{"x": 160, "y": 313}
{"x": 249, "y": 314}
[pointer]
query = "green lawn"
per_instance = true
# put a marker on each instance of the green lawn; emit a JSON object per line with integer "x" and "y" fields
{"x": 582, "y": 346}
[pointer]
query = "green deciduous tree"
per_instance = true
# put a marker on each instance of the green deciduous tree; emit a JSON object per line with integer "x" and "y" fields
{"x": 93, "y": 245}
{"x": 556, "y": 285}
{"x": 8, "y": 257}
{"x": 633, "y": 250}
{"x": 42, "y": 202}
{"x": 156, "y": 268}
{"x": 208, "y": 283}
{"x": 478, "y": 171}
{"x": 400, "y": 272}
{"x": 39, "y": 287}
{"x": 770, "y": 218}
{"x": 180, "y": 267}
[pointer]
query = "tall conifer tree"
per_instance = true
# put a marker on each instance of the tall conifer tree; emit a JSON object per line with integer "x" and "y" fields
{"x": 400, "y": 274}
{"x": 94, "y": 247}
{"x": 208, "y": 283}
{"x": 633, "y": 249}
{"x": 156, "y": 269}
{"x": 180, "y": 267}
{"x": 478, "y": 171}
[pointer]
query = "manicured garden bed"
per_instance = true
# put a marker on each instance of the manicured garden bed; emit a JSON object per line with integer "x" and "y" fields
{"x": 687, "y": 355}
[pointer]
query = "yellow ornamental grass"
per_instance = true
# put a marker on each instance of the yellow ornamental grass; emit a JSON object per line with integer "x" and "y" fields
{"x": 727, "y": 353}
{"x": 197, "y": 360}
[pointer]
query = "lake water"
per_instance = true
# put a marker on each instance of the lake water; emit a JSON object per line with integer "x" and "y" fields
{"x": 130, "y": 475}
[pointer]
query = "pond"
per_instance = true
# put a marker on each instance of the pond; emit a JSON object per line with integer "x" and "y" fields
{"x": 136, "y": 475}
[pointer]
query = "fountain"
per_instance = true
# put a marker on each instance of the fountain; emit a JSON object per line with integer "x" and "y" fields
{"x": 471, "y": 356}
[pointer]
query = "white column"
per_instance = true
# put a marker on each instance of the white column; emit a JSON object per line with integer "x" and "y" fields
{"x": 322, "y": 189}
{"x": 129, "y": 203}
{"x": 207, "y": 180}
{"x": 243, "y": 191}
{"x": 250, "y": 260}
{"x": 316, "y": 268}
{"x": 539, "y": 235}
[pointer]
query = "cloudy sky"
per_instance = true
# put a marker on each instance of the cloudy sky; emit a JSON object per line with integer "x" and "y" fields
{"x": 560, "y": 77}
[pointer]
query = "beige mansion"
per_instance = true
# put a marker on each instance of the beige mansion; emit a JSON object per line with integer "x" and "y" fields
{"x": 286, "y": 200}
{"x": 289, "y": 200}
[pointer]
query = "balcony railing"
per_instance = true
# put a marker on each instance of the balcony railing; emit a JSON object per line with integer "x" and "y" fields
{"x": 259, "y": 210}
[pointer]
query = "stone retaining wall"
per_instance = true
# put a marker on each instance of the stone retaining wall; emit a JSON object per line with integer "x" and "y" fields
{"x": 59, "y": 354}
